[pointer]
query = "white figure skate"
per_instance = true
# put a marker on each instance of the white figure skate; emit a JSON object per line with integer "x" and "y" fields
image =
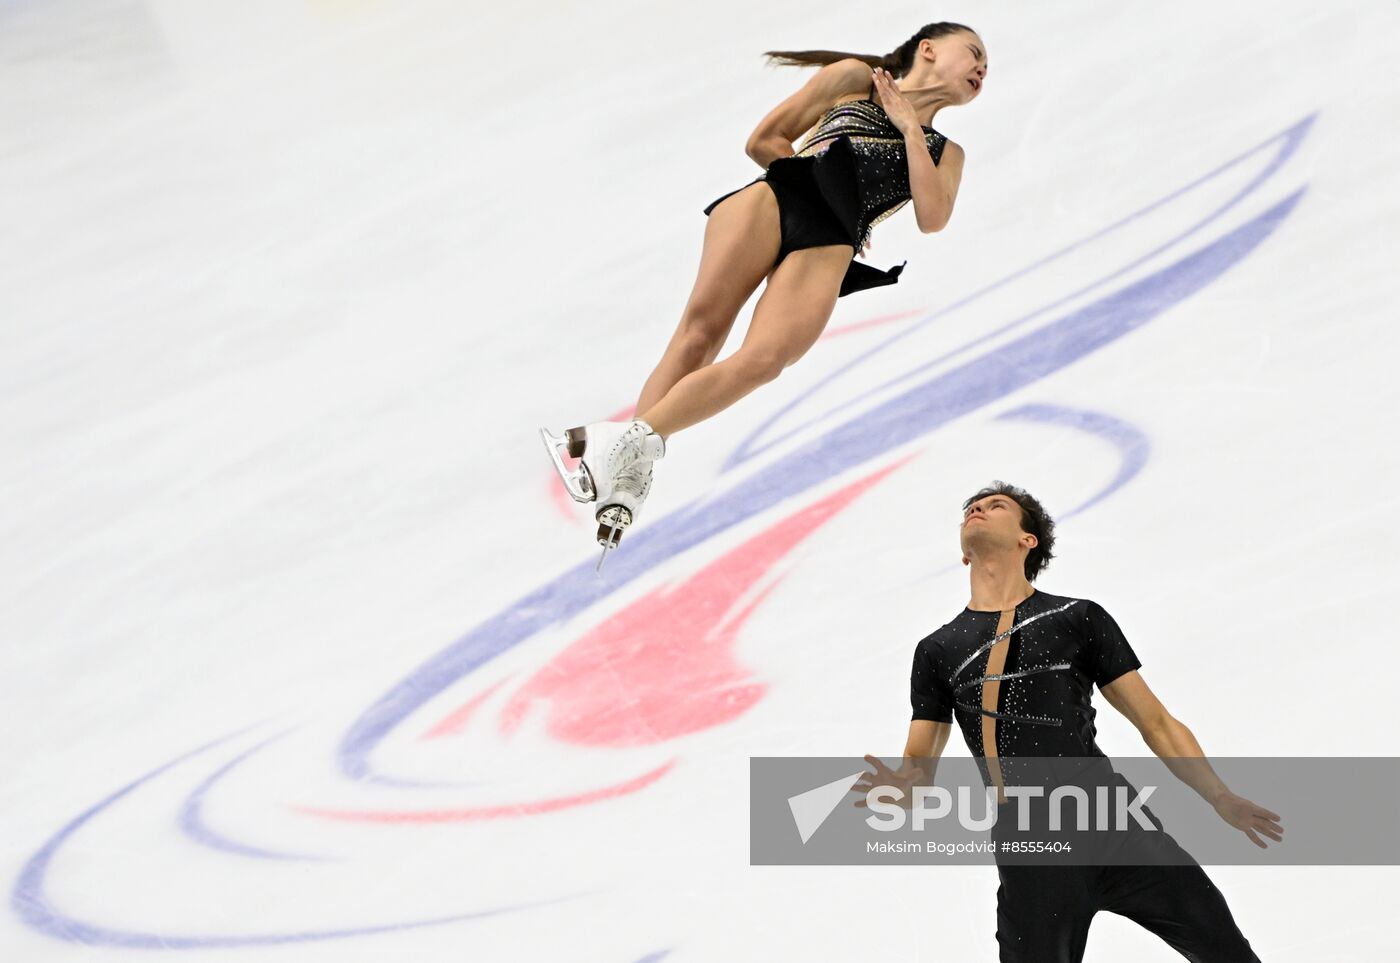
{"x": 630, "y": 490}
{"x": 606, "y": 451}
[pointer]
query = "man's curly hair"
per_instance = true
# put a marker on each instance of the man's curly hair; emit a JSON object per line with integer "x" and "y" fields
{"x": 1035, "y": 520}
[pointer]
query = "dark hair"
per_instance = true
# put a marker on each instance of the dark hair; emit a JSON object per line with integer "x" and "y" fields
{"x": 898, "y": 61}
{"x": 1034, "y": 521}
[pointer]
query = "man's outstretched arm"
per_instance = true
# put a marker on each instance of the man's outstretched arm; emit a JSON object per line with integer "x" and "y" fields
{"x": 1164, "y": 734}
{"x": 1169, "y": 738}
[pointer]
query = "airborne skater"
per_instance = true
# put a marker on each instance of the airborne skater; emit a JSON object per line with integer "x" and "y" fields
{"x": 799, "y": 225}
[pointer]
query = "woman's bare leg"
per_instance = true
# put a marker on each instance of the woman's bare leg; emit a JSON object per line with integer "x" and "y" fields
{"x": 686, "y": 353}
{"x": 790, "y": 316}
{"x": 708, "y": 391}
{"x": 742, "y": 238}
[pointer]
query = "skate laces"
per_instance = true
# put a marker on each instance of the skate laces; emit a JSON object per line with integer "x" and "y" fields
{"x": 635, "y": 479}
{"x": 631, "y": 447}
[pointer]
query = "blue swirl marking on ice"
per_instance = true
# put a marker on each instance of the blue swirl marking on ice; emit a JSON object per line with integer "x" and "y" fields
{"x": 1286, "y": 142}
{"x": 918, "y": 411}
{"x": 1131, "y": 443}
{"x": 30, "y": 903}
{"x": 194, "y": 825}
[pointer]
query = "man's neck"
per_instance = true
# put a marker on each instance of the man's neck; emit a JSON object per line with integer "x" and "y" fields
{"x": 998, "y": 585}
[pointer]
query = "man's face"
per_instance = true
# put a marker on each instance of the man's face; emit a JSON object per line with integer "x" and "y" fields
{"x": 992, "y": 524}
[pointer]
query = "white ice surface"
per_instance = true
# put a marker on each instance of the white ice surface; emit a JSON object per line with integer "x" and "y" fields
{"x": 287, "y": 288}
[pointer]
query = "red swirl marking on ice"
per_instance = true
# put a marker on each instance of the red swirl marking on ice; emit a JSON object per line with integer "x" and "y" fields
{"x": 661, "y": 668}
{"x": 456, "y": 720}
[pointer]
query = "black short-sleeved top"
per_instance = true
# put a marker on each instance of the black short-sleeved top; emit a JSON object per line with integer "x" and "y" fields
{"x": 1060, "y": 648}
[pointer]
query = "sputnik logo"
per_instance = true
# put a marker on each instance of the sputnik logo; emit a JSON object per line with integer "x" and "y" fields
{"x": 812, "y": 808}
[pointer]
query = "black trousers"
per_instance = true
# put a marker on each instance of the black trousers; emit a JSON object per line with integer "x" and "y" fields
{"x": 1044, "y": 910}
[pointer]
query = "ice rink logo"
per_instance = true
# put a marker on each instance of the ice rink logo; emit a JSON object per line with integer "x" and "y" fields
{"x": 798, "y": 473}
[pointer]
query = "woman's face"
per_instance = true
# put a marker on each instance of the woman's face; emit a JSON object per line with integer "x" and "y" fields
{"x": 960, "y": 59}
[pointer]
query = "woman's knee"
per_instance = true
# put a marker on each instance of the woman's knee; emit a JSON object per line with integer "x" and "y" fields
{"x": 760, "y": 364}
{"x": 699, "y": 341}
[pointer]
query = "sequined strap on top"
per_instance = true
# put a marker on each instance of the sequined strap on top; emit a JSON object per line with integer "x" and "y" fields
{"x": 858, "y": 118}
{"x": 861, "y": 118}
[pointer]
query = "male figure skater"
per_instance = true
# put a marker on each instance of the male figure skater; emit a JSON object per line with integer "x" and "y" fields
{"x": 1019, "y": 666}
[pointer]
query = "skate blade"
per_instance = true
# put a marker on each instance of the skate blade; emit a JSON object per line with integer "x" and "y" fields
{"x": 578, "y": 482}
{"x": 612, "y": 522}
{"x": 608, "y": 536}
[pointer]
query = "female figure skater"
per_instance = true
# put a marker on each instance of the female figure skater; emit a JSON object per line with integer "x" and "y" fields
{"x": 800, "y": 225}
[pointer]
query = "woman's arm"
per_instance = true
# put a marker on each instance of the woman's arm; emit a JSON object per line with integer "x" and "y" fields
{"x": 780, "y": 128}
{"x": 933, "y": 187}
{"x": 768, "y": 149}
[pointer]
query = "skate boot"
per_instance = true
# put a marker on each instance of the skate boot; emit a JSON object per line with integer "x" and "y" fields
{"x": 605, "y": 450}
{"x": 630, "y": 490}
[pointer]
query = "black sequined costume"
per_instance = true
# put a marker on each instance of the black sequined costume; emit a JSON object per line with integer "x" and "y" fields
{"x": 849, "y": 173}
{"x": 1057, "y": 650}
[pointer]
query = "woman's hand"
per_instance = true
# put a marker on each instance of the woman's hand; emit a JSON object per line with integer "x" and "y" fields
{"x": 861, "y": 252}
{"x": 896, "y": 106}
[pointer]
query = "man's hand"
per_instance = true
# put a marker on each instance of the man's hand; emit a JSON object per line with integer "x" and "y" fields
{"x": 1249, "y": 818}
{"x": 903, "y": 780}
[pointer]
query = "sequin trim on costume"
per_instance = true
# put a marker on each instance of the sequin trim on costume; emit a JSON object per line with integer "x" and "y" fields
{"x": 881, "y": 162}
{"x": 1032, "y": 720}
{"x": 1013, "y": 675}
{"x": 997, "y": 638}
